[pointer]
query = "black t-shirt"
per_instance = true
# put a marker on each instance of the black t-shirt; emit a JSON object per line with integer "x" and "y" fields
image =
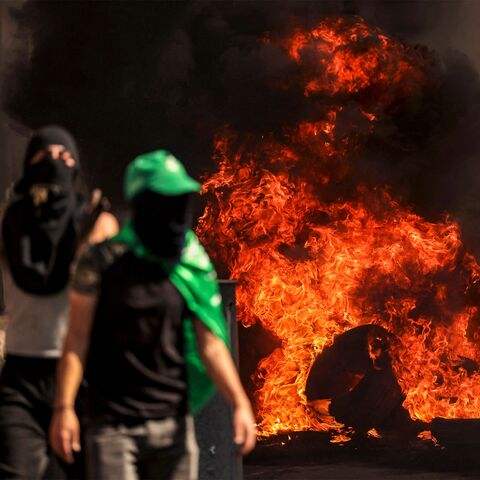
{"x": 135, "y": 368}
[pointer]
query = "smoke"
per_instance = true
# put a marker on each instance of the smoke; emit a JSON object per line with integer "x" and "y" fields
{"x": 127, "y": 77}
{"x": 412, "y": 20}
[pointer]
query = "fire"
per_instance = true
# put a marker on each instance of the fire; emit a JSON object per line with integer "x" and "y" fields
{"x": 310, "y": 268}
{"x": 353, "y": 58}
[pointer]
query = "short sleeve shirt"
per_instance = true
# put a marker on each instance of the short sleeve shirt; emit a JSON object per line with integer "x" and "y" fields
{"x": 135, "y": 368}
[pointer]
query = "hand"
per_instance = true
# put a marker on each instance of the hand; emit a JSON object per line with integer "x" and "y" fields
{"x": 244, "y": 429}
{"x": 65, "y": 433}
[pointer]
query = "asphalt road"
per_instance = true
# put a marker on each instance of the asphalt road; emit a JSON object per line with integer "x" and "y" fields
{"x": 343, "y": 472}
{"x": 310, "y": 456}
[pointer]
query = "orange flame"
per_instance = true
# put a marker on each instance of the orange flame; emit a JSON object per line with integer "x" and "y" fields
{"x": 350, "y": 58}
{"x": 310, "y": 268}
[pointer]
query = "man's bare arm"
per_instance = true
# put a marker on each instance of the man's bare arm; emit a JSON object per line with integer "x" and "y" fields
{"x": 65, "y": 429}
{"x": 222, "y": 371}
{"x": 105, "y": 227}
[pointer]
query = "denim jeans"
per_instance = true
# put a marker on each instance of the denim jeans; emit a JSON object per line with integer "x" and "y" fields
{"x": 155, "y": 449}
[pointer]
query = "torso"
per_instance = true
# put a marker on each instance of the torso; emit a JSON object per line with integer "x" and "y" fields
{"x": 36, "y": 324}
{"x": 135, "y": 366}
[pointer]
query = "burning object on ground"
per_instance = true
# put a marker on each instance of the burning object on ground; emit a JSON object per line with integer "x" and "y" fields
{"x": 353, "y": 381}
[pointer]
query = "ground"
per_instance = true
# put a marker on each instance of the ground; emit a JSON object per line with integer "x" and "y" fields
{"x": 310, "y": 456}
{"x": 343, "y": 472}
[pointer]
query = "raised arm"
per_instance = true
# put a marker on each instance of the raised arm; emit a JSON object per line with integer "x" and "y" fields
{"x": 222, "y": 371}
{"x": 65, "y": 428}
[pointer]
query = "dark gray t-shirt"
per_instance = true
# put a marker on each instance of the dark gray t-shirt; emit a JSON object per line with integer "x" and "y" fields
{"x": 135, "y": 368}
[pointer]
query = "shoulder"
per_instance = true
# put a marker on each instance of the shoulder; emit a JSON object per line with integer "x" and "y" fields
{"x": 93, "y": 263}
{"x": 102, "y": 255}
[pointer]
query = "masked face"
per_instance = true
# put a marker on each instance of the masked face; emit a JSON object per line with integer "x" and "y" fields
{"x": 49, "y": 172}
{"x": 50, "y": 175}
{"x": 48, "y": 186}
{"x": 162, "y": 222}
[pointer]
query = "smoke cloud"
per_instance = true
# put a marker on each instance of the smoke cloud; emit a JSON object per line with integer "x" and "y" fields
{"x": 127, "y": 77}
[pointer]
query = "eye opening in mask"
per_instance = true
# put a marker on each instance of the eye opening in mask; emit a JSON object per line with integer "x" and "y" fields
{"x": 55, "y": 152}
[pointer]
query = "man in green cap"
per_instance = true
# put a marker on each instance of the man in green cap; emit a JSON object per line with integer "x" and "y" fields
{"x": 146, "y": 325}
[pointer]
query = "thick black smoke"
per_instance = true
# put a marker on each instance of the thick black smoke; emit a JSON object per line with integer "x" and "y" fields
{"x": 127, "y": 77}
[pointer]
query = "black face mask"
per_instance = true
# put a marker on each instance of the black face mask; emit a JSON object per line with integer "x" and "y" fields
{"x": 47, "y": 187}
{"x": 49, "y": 172}
{"x": 162, "y": 222}
{"x": 40, "y": 227}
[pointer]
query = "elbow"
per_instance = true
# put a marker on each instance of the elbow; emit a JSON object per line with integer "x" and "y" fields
{"x": 75, "y": 344}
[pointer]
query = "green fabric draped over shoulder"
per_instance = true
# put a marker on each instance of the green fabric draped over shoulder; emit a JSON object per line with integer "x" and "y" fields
{"x": 195, "y": 278}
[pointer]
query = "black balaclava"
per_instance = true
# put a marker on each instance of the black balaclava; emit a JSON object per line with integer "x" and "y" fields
{"x": 48, "y": 171}
{"x": 162, "y": 222}
{"x": 50, "y": 135}
{"x": 40, "y": 228}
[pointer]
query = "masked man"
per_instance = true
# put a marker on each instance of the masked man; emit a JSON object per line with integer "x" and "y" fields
{"x": 141, "y": 305}
{"x": 41, "y": 232}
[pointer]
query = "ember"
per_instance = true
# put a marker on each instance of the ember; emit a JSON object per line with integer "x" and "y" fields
{"x": 311, "y": 268}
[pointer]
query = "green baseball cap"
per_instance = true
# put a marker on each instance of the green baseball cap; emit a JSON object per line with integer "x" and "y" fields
{"x": 159, "y": 172}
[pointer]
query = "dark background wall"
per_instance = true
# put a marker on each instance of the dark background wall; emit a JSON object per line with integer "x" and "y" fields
{"x": 12, "y": 136}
